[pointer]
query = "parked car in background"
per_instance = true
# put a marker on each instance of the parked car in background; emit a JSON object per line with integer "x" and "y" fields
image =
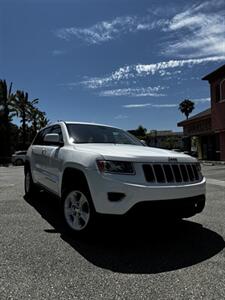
{"x": 176, "y": 150}
{"x": 18, "y": 158}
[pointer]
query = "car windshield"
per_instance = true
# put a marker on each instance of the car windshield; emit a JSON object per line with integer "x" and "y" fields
{"x": 86, "y": 133}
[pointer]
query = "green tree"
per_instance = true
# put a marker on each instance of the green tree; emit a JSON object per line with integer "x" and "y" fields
{"x": 140, "y": 132}
{"x": 23, "y": 109}
{"x": 34, "y": 118}
{"x": 6, "y": 113}
{"x": 42, "y": 121}
{"x": 38, "y": 120}
{"x": 169, "y": 143}
{"x": 186, "y": 107}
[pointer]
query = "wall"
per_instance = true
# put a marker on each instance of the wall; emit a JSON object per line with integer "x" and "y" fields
{"x": 222, "y": 145}
{"x": 218, "y": 108}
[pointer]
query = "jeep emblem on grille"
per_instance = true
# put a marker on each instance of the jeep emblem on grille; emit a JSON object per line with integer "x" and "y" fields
{"x": 172, "y": 159}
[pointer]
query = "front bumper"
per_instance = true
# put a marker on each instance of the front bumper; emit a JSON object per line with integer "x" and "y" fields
{"x": 183, "y": 208}
{"x": 100, "y": 185}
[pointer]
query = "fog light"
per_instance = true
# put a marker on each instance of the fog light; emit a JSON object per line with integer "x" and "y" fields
{"x": 115, "y": 196}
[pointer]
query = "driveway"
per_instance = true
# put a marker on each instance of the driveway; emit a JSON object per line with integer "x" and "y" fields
{"x": 124, "y": 260}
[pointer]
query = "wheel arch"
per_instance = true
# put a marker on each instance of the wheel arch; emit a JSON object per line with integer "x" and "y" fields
{"x": 74, "y": 177}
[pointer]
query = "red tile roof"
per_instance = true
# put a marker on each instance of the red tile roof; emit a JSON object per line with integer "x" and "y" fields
{"x": 202, "y": 115}
{"x": 216, "y": 73}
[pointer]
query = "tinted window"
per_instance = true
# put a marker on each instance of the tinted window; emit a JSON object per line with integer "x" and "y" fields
{"x": 39, "y": 139}
{"x": 85, "y": 133}
{"x": 222, "y": 88}
{"x": 217, "y": 92}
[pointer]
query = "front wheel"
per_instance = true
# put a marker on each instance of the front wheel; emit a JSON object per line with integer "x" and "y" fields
{"x": 78, "y": 211}
{"x": 29, "y": 185}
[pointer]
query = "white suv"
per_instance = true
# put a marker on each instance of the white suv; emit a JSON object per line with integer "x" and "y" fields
{"x": 97, "y": 169}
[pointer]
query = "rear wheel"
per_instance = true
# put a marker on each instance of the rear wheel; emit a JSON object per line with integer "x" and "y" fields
{"x": 18, "y": 162}
{"x": 78, "y": 211}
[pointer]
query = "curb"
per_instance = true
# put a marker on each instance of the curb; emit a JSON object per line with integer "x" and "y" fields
{"x": 212, "y": 163}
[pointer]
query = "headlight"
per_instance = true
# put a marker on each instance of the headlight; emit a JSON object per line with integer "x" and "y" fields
{"x": 116, "y": 167}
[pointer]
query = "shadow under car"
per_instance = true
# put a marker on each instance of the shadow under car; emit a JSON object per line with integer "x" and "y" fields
{"x": 135, "y": 246}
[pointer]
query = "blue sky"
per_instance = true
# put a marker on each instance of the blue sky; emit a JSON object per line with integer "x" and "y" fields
{"x": 118, "y": 62}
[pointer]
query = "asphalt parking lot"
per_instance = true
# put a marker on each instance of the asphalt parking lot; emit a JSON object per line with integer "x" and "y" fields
{"x": 184, "y": 260}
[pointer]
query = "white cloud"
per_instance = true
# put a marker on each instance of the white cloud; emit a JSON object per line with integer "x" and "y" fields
{"x": 136, "y": 71}
{"x": 108, "y": 30}
{"x": 141, "y": 105}
{"x": 57, "y": 52}
{"x": 120, "y": 117}
{"x": 164, "y": 105}
{"x": 207, "y": 5}
{"x": 202, "y": 100}
{"x": 134, "y": 92}
{"x": 198, "y": 31}
{"x": 183, "y": 20}
{"x": 146, "y": 69}
{"x": 120, "y": 74}
{"x": 137, "y": 105}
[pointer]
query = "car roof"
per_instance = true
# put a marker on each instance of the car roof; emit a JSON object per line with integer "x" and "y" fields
{"x": 89, "y": 123}
{"x": 74, "y": 122}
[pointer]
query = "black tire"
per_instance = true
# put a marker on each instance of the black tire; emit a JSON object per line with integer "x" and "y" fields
{"x": 73, "y": 211}
{"x": 29, "y": 186}
{"x": 18, "y": 162}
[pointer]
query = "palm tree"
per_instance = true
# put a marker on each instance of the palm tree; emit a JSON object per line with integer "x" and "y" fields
{"x": 23, "y": 107}
{"x": 6, "y": 100}
{"x": 42, "y": 121}
{"x": 38, "y": 120}
{"x": 34, "y": 118}
{"x": 186, "y": 107}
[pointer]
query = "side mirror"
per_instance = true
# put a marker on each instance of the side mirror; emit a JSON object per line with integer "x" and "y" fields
{"x": 52, "y": 138}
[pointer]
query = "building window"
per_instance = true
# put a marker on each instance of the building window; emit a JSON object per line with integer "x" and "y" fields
{"x": 217, "y": 92}
{"x": 222, "y": 90}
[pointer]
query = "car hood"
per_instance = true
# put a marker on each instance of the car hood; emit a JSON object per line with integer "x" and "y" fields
{"x": 133, "y": 153}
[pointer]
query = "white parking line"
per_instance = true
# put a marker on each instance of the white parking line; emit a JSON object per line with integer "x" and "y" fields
{"x": 2, "y": 186}
{"x": 215, "y": 182}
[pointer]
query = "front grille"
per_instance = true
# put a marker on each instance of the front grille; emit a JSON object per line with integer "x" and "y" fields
{"x": 167, "y": 173}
